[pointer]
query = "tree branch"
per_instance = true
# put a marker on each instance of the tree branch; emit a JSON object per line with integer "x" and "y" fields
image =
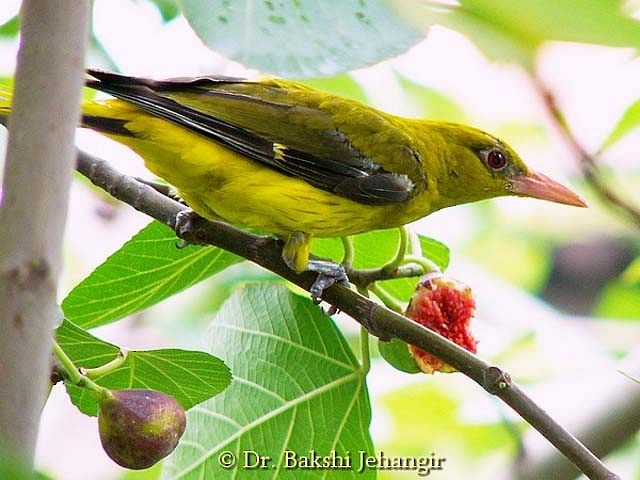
{"x": 38, "y": 170}
{"x": 588, "y": 163}
{"x": 607, "y": 422}
{"x": 377, "y": 319}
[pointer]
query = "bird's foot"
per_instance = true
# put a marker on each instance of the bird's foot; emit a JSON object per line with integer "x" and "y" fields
{"x": 185, "y": 226}
{"x": 329, "y": 274}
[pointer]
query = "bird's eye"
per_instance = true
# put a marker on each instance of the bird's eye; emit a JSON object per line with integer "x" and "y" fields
{"x": 496, "y": 159}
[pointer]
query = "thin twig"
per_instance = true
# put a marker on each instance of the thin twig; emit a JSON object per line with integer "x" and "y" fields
{"x": 588, "y": 163}
{"x": 377, "y": 319}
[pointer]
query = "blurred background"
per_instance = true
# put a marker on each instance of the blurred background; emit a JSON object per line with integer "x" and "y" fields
{"x": 557, "y": 288}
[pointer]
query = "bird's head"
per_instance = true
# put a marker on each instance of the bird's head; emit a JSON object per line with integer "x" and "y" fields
{"x": 479, "y": 166}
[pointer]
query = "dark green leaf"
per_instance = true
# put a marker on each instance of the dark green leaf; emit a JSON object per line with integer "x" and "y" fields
{"x": 629, "y": 121}
{"x": 190, "y": 377}
{"x": 303, "y": 38}
{"x": 297, "y": 387}
{"x": 396, "y": 353}
{"x": 147, "y": 269}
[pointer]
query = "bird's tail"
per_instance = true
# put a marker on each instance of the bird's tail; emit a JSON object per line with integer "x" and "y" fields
{"x": 6, "y": 94}
{"x": 95, "y": 115}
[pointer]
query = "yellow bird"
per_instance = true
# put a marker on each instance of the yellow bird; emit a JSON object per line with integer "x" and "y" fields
{"x": 283, "y": 158}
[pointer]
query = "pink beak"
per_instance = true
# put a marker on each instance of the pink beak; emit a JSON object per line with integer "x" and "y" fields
{"x": 537, "y": 185}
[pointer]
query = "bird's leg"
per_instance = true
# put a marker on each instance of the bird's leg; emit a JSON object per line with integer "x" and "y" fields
{"x": 296, "y": 255}
{"x": 329, "y": 273}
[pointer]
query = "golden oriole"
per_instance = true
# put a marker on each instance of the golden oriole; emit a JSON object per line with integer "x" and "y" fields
{"x": 286, "y": 159}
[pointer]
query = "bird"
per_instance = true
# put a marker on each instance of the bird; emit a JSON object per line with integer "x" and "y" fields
{"x": 283, "y": 158}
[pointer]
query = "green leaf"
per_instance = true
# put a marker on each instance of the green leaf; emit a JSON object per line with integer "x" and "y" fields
{"x": 147, "y": 269}
{"x": 297, "y": 387}
{"x": 430, "y": 103}
{"x": 396, "y": 353}
{"x": 190, "y": 377}
{"x": 343, "y": 85}
{"x": 629, "y": 121}
{"x": 516, "y": 29}
{"x": 620, "y": 300}
{"x": 169, "y": 9}
{"x": 302, "y": 38}
{"x": 632, "y": 272}
{"x": 10, "y": 28}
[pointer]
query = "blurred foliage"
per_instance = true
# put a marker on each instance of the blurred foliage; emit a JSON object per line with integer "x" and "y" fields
{"x": 629, "y": 121}
{"x": 514, "y": 30}
{"x": 343, "y": 85}
{"x": 426, "y": 412}
{"x": 430, "y": 103}
{"x": 10, "y": 28}
{"x": 169, "y": 9}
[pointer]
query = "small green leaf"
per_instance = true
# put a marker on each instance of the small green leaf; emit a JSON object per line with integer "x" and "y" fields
{"x": 147, "y": 269}
{"x": 632, "y": 272}
{"x": 343, "y": 85}
{"x": 302, "y": 38}
{"x": 297, "y": 387}
{"x": 190, "y": 377}
{"x": 169, "y": 9}
{"x": 396, "y": 353}
{"x": 620, "y": 300}
{"x": 10, "y": 28}
{"x": 430, "y": 103}
{"x": 629, "y": 121}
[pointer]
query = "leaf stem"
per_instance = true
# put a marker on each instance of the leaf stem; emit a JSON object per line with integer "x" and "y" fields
{"x": 349, "y": 252}
{"x": 400, "y": 254}
{"x": 365, "y": 351}
{"x": 388, "y": 300}
{"x": 427, "y": 265}
{"x": 107, "y": 367}
{"x": 73, "y": 374}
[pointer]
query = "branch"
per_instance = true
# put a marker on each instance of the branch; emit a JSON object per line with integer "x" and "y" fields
{"x": 380, "y": 321}
{"x": 606, "y": 423}
{"x": 35, "y": 192}
{"x": 588, "y": 163}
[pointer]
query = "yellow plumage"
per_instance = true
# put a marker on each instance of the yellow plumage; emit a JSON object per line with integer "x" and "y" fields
{"x": 285, "y": 159}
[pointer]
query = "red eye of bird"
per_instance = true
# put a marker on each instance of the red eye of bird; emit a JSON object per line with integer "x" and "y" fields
{"x": 496, "y": 159}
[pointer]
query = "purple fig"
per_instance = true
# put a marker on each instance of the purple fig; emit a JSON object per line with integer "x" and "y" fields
{"x": 138, "y": 428}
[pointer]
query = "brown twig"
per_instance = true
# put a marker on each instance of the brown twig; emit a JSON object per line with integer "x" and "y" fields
{"x": 379, "y": 320}
{"x": 588, "y": 163}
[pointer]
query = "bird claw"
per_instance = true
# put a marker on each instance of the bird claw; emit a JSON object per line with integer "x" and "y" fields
{"x": 185, "y": 227}
{"x": 329, "y": 274}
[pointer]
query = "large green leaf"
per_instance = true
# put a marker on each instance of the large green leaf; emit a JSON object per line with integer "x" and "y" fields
{"x": 297, "y": 387}
{"x": 302, "y": 38}
{"x": 190, "y": 377}
{"x": 629, "y": 121}
{"x": 147, "y": 269}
